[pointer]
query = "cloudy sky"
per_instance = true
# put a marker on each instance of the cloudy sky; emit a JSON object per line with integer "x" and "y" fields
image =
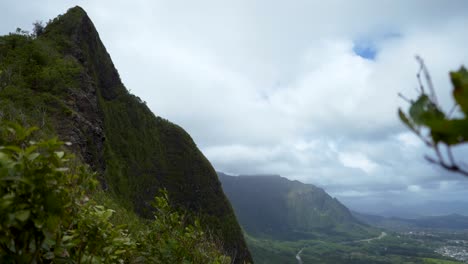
{"x": 304, "y": 89}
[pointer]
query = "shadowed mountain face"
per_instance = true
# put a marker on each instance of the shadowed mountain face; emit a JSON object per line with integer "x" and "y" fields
{"x": 276, "y": 207}
{"x": 65, "y": 82}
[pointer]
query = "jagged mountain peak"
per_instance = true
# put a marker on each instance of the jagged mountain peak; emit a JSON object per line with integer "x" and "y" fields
{"x": 65, "y": 81}
{"x": 73, "y": 23}
{"x": 77, "y": 36}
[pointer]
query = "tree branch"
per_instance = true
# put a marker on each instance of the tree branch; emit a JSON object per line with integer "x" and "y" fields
{"x": 453, "y": 168}
{"x": 427, "y": 76}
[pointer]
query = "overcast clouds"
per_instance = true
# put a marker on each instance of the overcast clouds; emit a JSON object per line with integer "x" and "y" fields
{"x": 277, "y": 86}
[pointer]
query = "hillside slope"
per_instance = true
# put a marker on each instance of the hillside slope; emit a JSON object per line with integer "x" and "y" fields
{"x": 64, "y": 81}
{"x": 275, "y": 207}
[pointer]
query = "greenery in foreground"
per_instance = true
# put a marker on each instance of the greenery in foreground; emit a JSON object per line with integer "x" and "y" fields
{"x": 52, "y": 211}
{"x": 438, "y": 129}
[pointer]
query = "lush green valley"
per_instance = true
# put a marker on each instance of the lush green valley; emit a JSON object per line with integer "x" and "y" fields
{"x": 62, "y": 80}
{"x": 393, "y": 248}
{"x": 283, "y": 217}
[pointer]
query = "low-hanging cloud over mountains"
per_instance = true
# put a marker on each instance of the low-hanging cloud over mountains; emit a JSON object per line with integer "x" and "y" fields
{"x": 305, "y": 89}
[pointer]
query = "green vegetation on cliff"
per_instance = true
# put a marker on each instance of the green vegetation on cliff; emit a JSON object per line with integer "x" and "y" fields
{"x": 51, "y": 212}
{"x": 64, "y": 82}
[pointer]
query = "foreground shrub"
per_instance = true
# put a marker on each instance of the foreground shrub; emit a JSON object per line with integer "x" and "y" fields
{"x": 48, "y": 214}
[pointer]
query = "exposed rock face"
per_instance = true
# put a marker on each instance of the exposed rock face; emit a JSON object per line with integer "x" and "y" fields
{"x": 99, "y": 77}
{"x": 85, "y": 130}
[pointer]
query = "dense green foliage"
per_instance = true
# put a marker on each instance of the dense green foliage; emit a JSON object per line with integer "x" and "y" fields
{"x": 32, "y": 77}
{"x": 63, "y": 81}
{"x": 48, "y": 213}
{"x": 275, "y": 207}
{"x": 438, "y": 129}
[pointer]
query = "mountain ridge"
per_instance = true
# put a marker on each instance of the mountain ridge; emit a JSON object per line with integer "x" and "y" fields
{"x": 65, "y": 82}
{"x": 289, "y": 209}
{"x": 443, "y": 222}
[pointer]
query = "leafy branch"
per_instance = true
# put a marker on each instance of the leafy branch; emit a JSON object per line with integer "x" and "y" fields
{"x": 437, "y": 129}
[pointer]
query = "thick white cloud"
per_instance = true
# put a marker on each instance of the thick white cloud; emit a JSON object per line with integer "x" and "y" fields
{"x": 275, "y": 86}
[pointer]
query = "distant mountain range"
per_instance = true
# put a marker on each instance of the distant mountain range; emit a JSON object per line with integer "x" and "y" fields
{"x": 275, "y": 207}
{"x": 410, "y": 211}
{"x": 452, "y": 221}
{"x": 286, "y": 221}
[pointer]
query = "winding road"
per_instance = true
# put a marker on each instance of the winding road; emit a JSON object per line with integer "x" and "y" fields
{"x": 298, "y": 256}
{"x": 382, "y": 235}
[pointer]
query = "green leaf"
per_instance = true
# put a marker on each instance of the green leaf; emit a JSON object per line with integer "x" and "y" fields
{"x": 450, "y": 132}
{"x": 424, "y": 111}
{"x": 49, "y": 255}
{"x": 107, "y": 214}
{"x": 59, "y": 154}
{"x": 33, "y": 156}
{"x": 405, "y": 120}
{"x": 13, "y": 149}
{"x": 52, "y": 222}
{"x": 30, "y": 130}
{"x": 120, "y": 251}
{"x": 22, "y": 215}
{"x": 460, "y": 88}
{"x": 18, "y": 179}
{"x": 30, "y": 149}
{"x": 66, "y": 238}
{"x": 38, "y": 222}
{"x": 417, "y": 109}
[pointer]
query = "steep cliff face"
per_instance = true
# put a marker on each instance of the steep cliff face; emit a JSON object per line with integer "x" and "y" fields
{"x": 65, "y": 81}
